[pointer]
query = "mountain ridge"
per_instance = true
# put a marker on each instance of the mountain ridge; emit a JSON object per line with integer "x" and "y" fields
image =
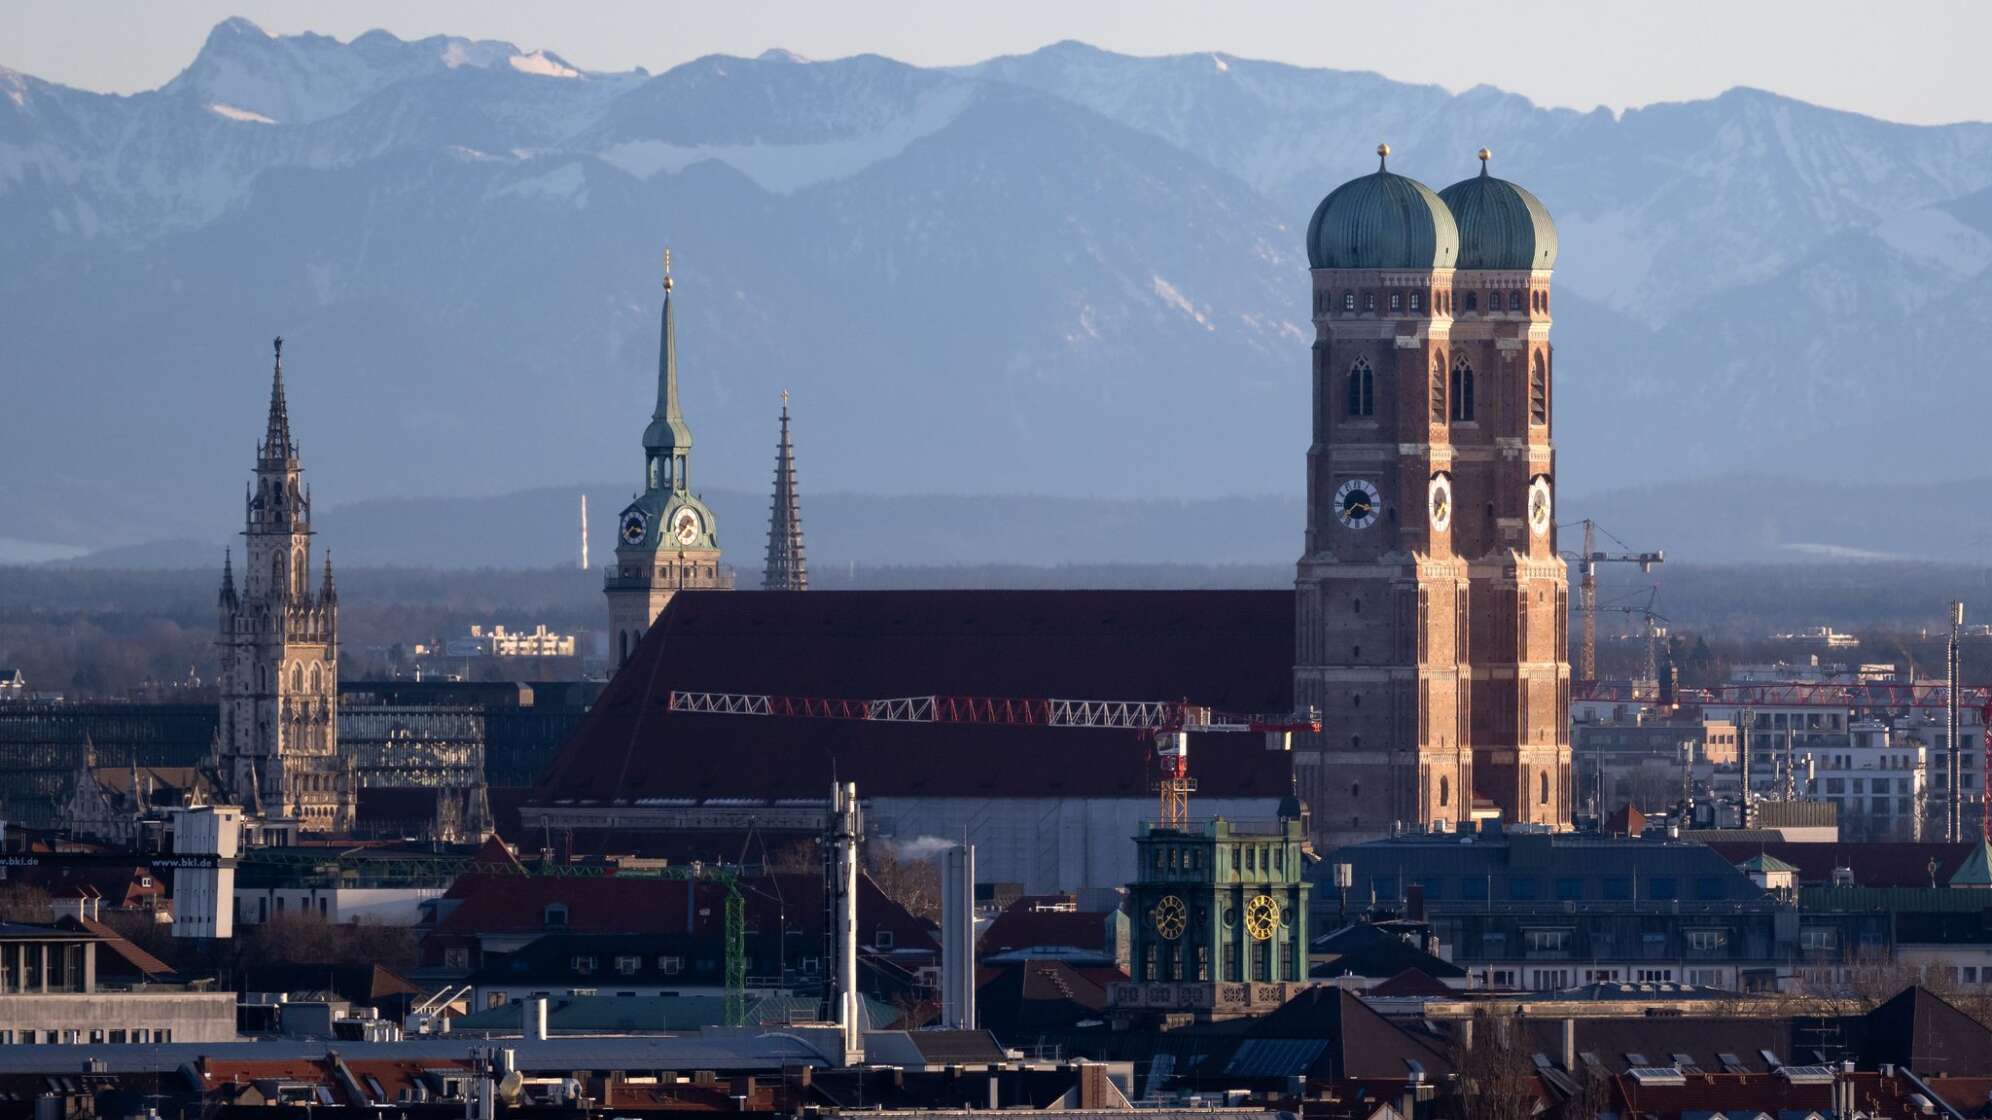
{"x": 1069, "y": 271}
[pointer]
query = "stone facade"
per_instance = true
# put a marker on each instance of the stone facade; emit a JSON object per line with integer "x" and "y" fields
{"x": 278, "y": 743}
{"x": 665, "y": 539}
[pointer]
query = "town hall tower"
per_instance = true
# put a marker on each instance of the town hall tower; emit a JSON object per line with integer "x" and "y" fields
{"x": 278, "y": 747}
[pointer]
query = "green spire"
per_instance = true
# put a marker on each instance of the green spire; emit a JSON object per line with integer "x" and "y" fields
{"x": 1976, "y": 870}
{"x": 667, "y": 431}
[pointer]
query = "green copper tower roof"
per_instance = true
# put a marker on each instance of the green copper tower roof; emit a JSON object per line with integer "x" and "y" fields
{"x": 1382, "y": 221}
{"x": 1976, "y": 870}
{"x": 667, "y": 430}
{"x": 1501, "y": 225}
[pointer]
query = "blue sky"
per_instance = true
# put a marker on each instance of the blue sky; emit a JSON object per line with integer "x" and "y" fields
{"x": 1902, "y": 61}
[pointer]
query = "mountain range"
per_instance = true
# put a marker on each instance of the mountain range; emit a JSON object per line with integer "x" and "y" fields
{"x": 1070, "y": 273}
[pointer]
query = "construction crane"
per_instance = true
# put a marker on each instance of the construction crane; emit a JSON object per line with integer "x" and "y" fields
{"x": 1649, "y": 628}
{"x": 1168, "y": 723}
{"x": 1587, "y": 586}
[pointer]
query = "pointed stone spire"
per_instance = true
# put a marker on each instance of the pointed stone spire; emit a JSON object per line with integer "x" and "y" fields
{"x": 277, "y": 440}
{"x": 228, "y": 601}
{"x": 667, "y": 432}
{"x": 786, "y": 569}
{"x": 328, "y": 592}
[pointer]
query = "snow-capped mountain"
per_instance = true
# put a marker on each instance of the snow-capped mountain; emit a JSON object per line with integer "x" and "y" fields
{"x": 1068, "y": 272}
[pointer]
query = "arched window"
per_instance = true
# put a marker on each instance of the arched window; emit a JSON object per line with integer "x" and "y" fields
{"x": 1542, "y": 786}
{"x": 1472, "y": 302}
{"x": 1362, "y": 389}
{"x": 1417, "y": 301}
{"x": 297, "y": 574}
{"x": 297, "y": 677}
{"x": 317, "y": 679}
{"x": 1462, "y": 390}
{"x": 1348, "y": 301}
{"x": 1355, "y": 791}
{"x": 277, "y": 580}
{"x": 1539, "y": 392}
{"x": 1397, "y": 301}
{"x": 1515, "y": 301}
{"x": 1438, "y": 388}
{"x": 1445, "y": 783}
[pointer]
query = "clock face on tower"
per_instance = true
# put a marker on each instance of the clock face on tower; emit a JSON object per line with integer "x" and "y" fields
{"x": 1171, "y": 916}
{"x": 1262, "y": 917}
{"x": 685, "y": 526}
{"x": 1357, "y": 503}
{"x": 1539, "y": 511}
{"x": 634, "y": 523}
{"x": 1441, "y": 502}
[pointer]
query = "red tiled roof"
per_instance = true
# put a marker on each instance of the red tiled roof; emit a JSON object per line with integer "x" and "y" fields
{"x": 1231, "y": 650}
{"x": 1021, "y": 927}
{"x": 140, "y": 960}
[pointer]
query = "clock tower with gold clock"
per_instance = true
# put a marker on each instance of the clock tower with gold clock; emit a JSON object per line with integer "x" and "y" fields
{"x": 1217, "y": 907}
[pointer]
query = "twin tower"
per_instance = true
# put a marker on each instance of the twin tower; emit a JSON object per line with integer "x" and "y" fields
{"x": 1431, "y": 606}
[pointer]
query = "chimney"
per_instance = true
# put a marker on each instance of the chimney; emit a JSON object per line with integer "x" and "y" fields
{"x": 534, "y": 1027}
{"x": 958, "y": 939}
{"x": 1570, "y": 1045}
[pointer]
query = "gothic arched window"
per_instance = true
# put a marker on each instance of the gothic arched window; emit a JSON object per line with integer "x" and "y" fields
{"x": 1438, "y": 388}
{"x": 1539, "y": 392}
{"x": 1462, "y": 390}
{"x": 317, "y": 679}
{"x": 277, "y": 580}
{"x": 1445, "y": 783}
{"x": 1472, "y": 302}
{"x": 297, "y": 677}
{"x": 1362, "y": 389}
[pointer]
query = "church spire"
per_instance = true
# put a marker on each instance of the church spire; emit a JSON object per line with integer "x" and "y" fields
{"x": 277, "y": 440}
{"x": 329, "y": 593}
{"x": 668, "y": 436}
{"x": 228, "y": 601}
{"x": 786, "y": 568}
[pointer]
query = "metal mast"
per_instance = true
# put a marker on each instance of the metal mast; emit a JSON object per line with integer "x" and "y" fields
{"x": 1587, "y": 589}
{"x": 786, "y": 568}
{"x": 1954, "y": 764}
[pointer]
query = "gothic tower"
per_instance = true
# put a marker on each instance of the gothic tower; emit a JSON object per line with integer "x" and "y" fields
{"x": 279, "y": 735}
{"x": 1499, "y": 383}
{"x": 786, "y": 569}
{"x": 665, "y": 540}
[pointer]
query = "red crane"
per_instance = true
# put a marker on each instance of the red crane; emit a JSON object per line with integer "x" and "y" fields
{"x": 1167, "y": 722}
{"x": 1858, "y": 696}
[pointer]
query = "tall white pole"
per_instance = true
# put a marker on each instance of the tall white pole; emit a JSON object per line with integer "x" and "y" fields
{"x": 848, "y": 828}
{"x": 584, "y": 532}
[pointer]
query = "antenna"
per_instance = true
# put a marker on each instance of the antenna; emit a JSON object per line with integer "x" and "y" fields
{"x": 584, "y": 532}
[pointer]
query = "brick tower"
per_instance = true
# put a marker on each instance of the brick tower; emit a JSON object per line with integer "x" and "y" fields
{"x": 1503, "y": 486}
{"x": 1381, "y": 598}
{"x": 1419, "y": 634}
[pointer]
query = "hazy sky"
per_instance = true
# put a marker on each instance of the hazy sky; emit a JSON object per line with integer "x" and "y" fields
{"x": 1903, "y": 61}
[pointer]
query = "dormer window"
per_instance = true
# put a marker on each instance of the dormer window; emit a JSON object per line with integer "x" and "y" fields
{"x": 1417, "y": 301}
{"x": 1397, "y": 301}
{"x": 555, "y": 916}
{"x": 1369, "y": 301}
{"x": 1348, "y": 301}
{"x": 1472, "y": 301}
{"x": 883, "y": 939}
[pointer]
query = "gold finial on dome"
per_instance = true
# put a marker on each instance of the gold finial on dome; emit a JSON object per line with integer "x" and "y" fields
{"x": 1485, "y": 155}
{"x": 1382, "y": 154}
